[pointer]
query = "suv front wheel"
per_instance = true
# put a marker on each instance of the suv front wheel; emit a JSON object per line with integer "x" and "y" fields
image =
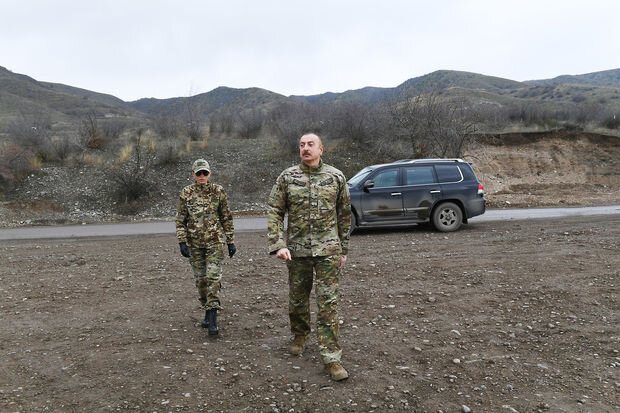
{"x": 447, "y": 217}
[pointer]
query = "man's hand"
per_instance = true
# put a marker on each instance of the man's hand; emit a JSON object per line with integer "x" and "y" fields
{"x": 343, "y": 260}
{"x": 231, "y": 250}
{"x": 284, "y": 254}
{"x": 184, "y": 249}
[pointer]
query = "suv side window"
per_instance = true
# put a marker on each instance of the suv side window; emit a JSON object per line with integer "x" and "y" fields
{"x": 448, "y": 173}
{"x": 388, "y": 177}
{"x": 467, "y": 172}
{"x": 419, "y": 175}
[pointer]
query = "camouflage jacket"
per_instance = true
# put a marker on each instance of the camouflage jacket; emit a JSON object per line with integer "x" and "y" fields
{"x": 203, "y": 217}
{"x": 318, "y": 204}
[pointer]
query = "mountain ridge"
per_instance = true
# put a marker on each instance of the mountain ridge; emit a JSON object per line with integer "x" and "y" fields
{"x": 20, "y": 93}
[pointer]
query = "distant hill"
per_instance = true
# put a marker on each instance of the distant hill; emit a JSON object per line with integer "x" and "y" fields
{"x": 102, "y": 98}
{"x": 217, "y": 99}
{"x": 63, "y": 104}
{"x": 66, "y": 104}
{"x": 432, "y": 82}
{"x": 605, "y": 78}
{"x": 444, "y": 79}
{"x": 367, "y": 95}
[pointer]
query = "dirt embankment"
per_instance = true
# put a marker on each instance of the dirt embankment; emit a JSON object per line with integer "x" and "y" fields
{"x": 504, "y": 316}
{"x": 549, "y": 169}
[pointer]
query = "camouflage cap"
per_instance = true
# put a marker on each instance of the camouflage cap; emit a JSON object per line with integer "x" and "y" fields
{"x": 201, "y": 165}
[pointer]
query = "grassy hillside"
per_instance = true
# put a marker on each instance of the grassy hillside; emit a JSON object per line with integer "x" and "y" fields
{"x": 64, "y": 105}
{"x": 605, "y": 78}
{"x": 215, "y": 100}
{"x": 443, "y": 79}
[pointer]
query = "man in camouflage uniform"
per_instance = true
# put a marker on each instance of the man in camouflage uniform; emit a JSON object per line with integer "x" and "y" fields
{"x": 203, "y": 224}
{"x": 316, "y": 198}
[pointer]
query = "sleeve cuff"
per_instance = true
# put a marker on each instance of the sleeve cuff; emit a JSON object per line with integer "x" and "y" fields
{"x": 277, "y": 246}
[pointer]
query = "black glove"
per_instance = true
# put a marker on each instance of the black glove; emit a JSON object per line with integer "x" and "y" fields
{"x": 231, "y": 250}
{"x": 184, "y": 249}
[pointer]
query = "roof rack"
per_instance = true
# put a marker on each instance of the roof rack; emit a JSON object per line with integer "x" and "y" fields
{"x": 430, "y": 160}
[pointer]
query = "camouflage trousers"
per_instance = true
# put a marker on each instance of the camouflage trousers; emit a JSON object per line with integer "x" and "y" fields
{"x": 300, "y": 278}
{"x": 207, "y": 268}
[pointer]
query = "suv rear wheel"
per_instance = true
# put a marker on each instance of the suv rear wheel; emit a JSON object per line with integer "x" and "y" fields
{"x": 447, "y": 217}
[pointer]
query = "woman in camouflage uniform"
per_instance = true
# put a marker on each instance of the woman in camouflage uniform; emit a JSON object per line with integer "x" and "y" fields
{"x": 203, "y": 224}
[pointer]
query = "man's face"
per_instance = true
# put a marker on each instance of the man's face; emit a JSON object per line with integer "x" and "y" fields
{"x": 201, "y": 177}
{"x": 310, "y": 149}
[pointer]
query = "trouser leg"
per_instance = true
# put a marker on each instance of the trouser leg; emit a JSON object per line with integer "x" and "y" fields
{"x": 327, "y": 274}
{"x": 300, "y": 275}
{"x": 207, "y": 268}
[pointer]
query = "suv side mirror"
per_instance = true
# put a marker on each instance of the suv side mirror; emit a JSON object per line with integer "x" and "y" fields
{"x": 369, "y": 184}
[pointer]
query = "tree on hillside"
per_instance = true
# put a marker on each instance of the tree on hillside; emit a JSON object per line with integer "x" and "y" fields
{"x": 222, "y": 122}
{"x": 30, "y": 130}
{"x": 165, "y": 125}
{"x": 434, "y": 126}
{"x": 15, "y": 163}
{"x": 288, "y": 121}
{"x": 451, "y": 126}
{"x": 130, "y": 176}
{"x": 90, "y": 135}
{"x": 250, "y": 123}
{"x": 355, "y": 122}
{"x": 191, "y": 118}
{"x": 112, "y": 128}
{"x": 408, "y": 121}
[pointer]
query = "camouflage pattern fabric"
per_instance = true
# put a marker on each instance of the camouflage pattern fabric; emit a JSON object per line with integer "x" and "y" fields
{"x": 300, "y": 283}
{"x": 207, "y": 268}
{"x": 319, "y": 211}
{"x": 318, "y": 204}
{"x": 203, "y": 216}
{"x": 205, "y": 223}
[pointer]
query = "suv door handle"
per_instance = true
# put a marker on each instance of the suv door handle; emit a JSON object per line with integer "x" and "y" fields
{"x": 435, "y": 191}
{"x": 396, "y": 194}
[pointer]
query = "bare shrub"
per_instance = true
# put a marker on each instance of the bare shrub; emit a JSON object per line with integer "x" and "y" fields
{"x": 61, "y": 148}
{"x": 15, "y": 163}
{"x": 166, "y": 125}
{"x": 89, "y": 131}
{"x": 112, "y": 128}
{"x": 354, "y": 122}
{"x": 168, "y": 152}
{"x": 611, "y": 122}
{"x": 191, "y": 118}
{"x": 222, "y": 122}
{"x": 289, "y": 121}
{"x": 130, "y": 177}
{"x": 250, "y": 123}
{"x": 435, "y": 126}
{"x": 31, "y": 131}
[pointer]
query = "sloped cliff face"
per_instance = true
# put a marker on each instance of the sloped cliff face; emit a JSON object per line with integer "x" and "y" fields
{"x": 549, "y": 169}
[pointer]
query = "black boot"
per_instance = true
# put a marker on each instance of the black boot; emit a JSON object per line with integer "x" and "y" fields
{"x": 205, "y": 323}
{"x": 212, "y": 316}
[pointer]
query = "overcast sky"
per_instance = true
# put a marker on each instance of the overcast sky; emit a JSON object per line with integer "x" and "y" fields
{"x": 152, "y": 48}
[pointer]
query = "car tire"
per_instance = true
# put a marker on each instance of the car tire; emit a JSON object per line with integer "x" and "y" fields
{"x": 447, "y": 217}
{"x": 353, "y": 222}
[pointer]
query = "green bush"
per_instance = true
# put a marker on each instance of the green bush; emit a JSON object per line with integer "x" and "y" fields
{"x": 611, "y": 122}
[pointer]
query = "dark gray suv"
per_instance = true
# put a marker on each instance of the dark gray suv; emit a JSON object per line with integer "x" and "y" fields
{"x": 444, "y": 192}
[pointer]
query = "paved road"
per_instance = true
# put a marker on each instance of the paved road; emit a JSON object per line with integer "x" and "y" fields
{"x": 260, "y": 223}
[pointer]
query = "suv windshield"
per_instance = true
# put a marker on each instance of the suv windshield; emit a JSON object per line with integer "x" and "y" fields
{"x": 360, "y": 176}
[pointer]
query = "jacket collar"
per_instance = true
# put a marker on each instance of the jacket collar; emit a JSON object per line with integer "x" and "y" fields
{"x": 312, "y": 169}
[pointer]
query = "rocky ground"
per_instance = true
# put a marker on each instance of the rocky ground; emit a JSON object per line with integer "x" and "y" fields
{"x": 515, "y": 316}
